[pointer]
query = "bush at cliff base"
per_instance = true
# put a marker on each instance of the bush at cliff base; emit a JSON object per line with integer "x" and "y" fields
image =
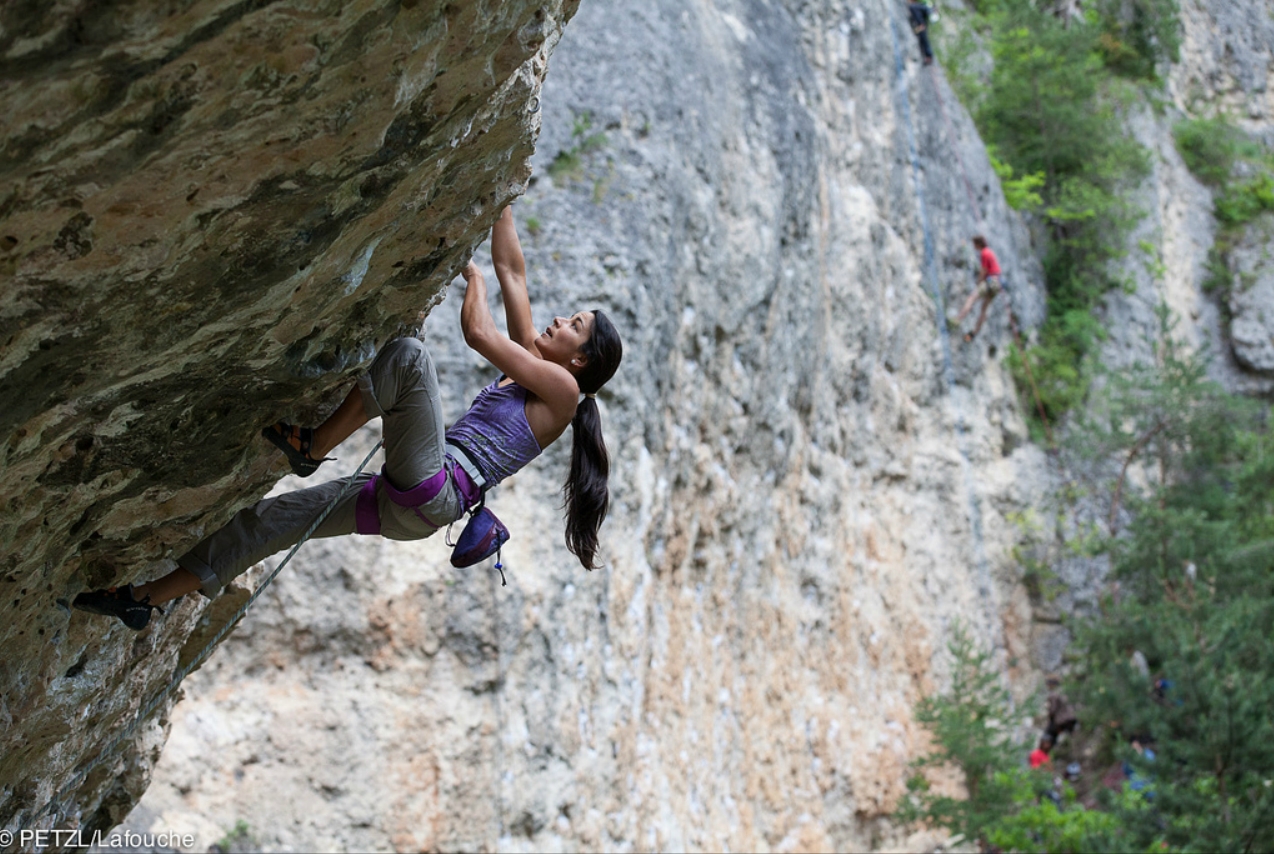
{"x": 1192, "y": 590}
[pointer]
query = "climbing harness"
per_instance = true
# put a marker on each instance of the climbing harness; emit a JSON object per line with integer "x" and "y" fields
{"x": 80, "y": 776}
{"x": 482, "y": 537}
{"x": 367, "y": 511}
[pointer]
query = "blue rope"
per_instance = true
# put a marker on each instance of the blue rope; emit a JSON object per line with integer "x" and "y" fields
{"x": 948, "y": 371}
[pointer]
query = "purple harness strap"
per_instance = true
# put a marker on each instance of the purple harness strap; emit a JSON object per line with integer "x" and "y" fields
{"x": 470, "y": 492}
{"x": 367, "y": 513}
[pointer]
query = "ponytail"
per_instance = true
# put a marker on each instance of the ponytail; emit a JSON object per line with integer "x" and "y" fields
{"x": 587, "y": 494}
{"x": 586, "y": 490}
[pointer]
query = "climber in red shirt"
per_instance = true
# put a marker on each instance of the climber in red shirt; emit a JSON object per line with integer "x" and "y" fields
{"x": 988, "y": 286}
{"x": 1039, "y": 756}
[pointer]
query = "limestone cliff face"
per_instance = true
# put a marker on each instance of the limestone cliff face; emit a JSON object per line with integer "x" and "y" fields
{"x": 1226, "y": 70}
{"x": 807, "y": 492}
{"x": 210, "y": 214}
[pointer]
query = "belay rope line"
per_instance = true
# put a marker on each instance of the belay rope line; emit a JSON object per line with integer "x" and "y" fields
{"x": 977, "y": 218}
{"x": 948, "y": 371}
{"x": 80, "y": 776}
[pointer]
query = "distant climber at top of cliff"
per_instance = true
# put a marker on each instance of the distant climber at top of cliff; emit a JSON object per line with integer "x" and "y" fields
{"x": 430, "y": 478}
{"x": 919, "y": 13}
{"x": 987, "y": 289}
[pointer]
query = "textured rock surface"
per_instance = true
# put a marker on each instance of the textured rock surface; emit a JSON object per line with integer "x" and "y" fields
{"x": 795, "y": 527}
{"x": 1252, "y": 298}
{"x": 1226, "y": 61}
{"x": 210, "y": 214}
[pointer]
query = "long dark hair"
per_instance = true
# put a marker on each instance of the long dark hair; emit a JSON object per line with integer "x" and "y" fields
{"x": 587, "y": 495}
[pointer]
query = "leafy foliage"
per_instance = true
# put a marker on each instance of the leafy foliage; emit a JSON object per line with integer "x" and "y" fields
{"x": 1042, "y": 825}
{"x": 1022, "y": 193}
{"x": 1136, "y": 35}
{"x": 1193, "y": 592}
{"x": 1241, "y": 173}
{"x": 1209, "y": 147}
{"x": 969, "y": 725}
{"x": 1008, "y": 806}
{"x": 1195, "y": 568}
{"x": 1214, "y": 150}
{"x": 569, "y": 162}
{"x": 1243, "y": 202}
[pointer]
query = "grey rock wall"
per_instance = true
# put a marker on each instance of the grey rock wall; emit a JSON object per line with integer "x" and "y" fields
{"x": 1251, "y": 299}
{"x": 210, "y": 214}
{"x": 798, "y": 518}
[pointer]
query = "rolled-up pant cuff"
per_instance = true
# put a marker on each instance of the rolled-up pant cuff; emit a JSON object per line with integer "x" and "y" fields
{"x": 210, "y": 584}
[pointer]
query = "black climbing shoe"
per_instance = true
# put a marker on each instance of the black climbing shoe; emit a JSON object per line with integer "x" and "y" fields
{"x": 295, "y": 443}
{"x": 118, "y": 602}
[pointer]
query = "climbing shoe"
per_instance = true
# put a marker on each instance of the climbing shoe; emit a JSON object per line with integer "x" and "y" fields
{"x": 295, "y": 443}
{"x": 117, "y": 602}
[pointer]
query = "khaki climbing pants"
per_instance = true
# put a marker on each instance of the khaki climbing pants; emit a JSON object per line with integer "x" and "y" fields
{"x": 401, "y": 387}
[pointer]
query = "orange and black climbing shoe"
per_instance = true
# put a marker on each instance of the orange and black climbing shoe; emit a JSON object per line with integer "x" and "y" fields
{"x": 118, "y": 602}
{"x": 295, "y": 443}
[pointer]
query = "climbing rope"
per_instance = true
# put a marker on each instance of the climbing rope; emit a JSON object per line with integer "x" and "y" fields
{"x": 951, "y": 143}
{"x": 1014, "y": 327}
{"x": 79, "y": 777}
{"x": 948, "y": 372}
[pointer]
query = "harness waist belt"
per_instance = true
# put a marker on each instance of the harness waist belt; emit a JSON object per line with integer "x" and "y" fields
{"x": 469, "y": 480}
{"x": 458, "y": 454}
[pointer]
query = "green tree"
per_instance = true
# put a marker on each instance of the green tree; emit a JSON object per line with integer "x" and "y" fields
{"x": 1210, "y": 148}
{"x": 969, "y": 726}
{"x": 1137, "y": 35}
{"x": 1007, "y": 805}
{"x": 1195, "y": 574}
{"x": 1191, "y": 549}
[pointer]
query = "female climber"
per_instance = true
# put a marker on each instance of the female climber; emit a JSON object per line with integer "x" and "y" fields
{"x": 430, "y": 477}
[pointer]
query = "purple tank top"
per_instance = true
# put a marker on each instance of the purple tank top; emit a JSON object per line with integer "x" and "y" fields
{"x": 495, "y": 433}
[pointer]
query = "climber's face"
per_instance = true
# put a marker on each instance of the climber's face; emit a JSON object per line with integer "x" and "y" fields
{"x": 564, "y": 339}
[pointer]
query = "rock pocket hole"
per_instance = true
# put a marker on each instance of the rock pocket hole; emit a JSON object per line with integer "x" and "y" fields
{"x": 77, "y": 668}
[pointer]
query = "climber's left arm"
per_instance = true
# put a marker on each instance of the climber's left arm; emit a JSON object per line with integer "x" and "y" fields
{"x": 510, "y": 270}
